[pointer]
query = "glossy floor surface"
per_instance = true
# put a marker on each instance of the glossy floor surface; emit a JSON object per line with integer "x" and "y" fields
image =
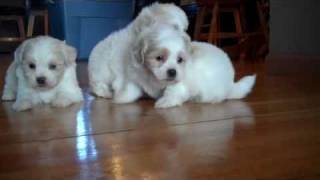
{"x": 272, "y": 134}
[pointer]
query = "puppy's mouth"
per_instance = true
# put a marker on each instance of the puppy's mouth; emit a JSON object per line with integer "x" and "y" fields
{"x": 43, "y": 87}
{"x": 171, "y": 80}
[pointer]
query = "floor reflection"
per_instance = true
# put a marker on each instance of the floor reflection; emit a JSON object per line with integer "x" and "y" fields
{"x": 153, "y": 146}
{"x": 40, "y": 123}
{"x": 85, "y": 143}
{"x": 117, "y": 167}
{"x": 208, "y": 112}
{"x": 171, "y": 143}
{"x": 137, "y": 141}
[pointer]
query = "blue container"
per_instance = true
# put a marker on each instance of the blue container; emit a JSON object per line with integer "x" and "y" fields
{"x": 83, "y": 23}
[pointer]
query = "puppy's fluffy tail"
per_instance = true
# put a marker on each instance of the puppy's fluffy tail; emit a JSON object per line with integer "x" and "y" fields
{"x": 242, "y": 88}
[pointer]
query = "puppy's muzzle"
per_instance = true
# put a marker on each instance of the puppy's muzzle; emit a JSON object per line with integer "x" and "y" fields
{"x": 171, "y": 73}
{"x": 41, "y": 80}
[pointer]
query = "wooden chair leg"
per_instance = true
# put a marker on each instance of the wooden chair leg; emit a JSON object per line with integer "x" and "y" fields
{"x": 199, "y": 22}
{"x": 213, "y": 25}
{"x": 218, "y": 28}
{"x": 243, "y": 17}
{"x": 30, "y": 25}
{"x": 262, "y": 20}
{"x": 21, "y": 29}
{"x": 237, "y": 20}
{"x": 46, "y": 23}
{"x": 20, "y": 24}
{"x": 238, "y": 25}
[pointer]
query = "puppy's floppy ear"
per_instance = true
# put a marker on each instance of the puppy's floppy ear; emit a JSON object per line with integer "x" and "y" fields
{"x": 140, "y": 49}
{"x": 142, "y": 22}
{"x": 18, "y": 53}
{"x": 69, "y": 52}
{"x": 187, "y": 41}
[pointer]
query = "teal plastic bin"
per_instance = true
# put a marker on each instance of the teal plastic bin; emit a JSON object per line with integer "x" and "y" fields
{"x": 83, "y": 23}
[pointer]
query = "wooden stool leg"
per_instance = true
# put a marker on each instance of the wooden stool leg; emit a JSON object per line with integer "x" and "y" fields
{"x": 218, "y": 28}
{"x": 262, "y": 20}
{"x": 243, "y": 17}
{"x": 237, "y": 20}
{"x": 213, "y": 32}
{"x": 199, "y": 23}
{"x": 264, "y": 28}
{"x": 46, "y": 23}
{"x": 30, "y": 25}
{"x": 21, "y": 29}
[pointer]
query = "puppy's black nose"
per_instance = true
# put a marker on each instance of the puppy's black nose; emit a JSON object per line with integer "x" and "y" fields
{"x": 171, "y": 73}
{"x": 41, "y": 80}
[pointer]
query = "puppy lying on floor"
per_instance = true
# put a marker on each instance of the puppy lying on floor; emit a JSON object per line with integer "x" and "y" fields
{"x": 193, "y": 71}
{"x": 43, "y": 71}
{"x": 110, "y": 63}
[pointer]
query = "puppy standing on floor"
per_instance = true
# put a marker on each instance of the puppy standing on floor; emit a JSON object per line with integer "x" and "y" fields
{"x": 113, "y": 72}
{"x": 193, "y": 71}
{"x": 43, "y": 71}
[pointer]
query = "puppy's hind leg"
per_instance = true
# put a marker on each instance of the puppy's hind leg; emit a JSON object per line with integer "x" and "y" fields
{"x": 174, "y": 95}
{"x": 101, "y": 89}
{"x": 128, "y": 93}
{"x": 24, "y": 100}
{"x": 100, "y": 83}
{"x": 10, "y": 87}
{"x": 209, "y": 96}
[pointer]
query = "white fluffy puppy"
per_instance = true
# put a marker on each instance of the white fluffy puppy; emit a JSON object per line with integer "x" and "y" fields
{"x": 193, "y": 71}
{"x": 208, "y": 78}
{"x": 43, "y": 71}
{"x": 110, "y": 63}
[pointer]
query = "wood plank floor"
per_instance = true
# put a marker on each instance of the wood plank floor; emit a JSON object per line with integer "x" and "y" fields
{"x": 272, "y": 134}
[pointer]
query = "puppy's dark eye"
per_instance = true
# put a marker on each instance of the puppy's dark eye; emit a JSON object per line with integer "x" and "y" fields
{"x": 159, "y": 58}
{"x": 52, "y": 66}
{"x": 32, "y": 66}
{"x": 180, "y": 60}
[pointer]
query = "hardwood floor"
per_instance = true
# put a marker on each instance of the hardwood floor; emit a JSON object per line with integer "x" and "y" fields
{"x": 272, "y": 134}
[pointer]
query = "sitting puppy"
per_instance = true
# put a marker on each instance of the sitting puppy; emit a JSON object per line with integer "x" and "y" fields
{"x": 110, "y": 63}
{"x": 193, "y": 71}
{"x": 43, "y": 71}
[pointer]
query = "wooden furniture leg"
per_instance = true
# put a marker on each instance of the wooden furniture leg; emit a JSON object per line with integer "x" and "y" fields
{"x": 213, "y": 25}
{"x": 30, "y": 25}
{"x": 20, "y": 25}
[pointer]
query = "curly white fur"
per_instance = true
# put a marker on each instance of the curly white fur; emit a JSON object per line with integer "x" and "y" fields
{"x": 112, "y": 68}
{"x": 209, "y": 78}
{"x": 43, "y": 71}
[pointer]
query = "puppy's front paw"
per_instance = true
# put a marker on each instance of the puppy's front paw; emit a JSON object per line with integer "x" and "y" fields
{"x": 8, "y": 97}
{"x": 22, "y": 105}
{"x": 102, "y": 90}
{"x": 61, "y": 102}
{"x": 123, "y": 99}
{"x": 165, "y": 102}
